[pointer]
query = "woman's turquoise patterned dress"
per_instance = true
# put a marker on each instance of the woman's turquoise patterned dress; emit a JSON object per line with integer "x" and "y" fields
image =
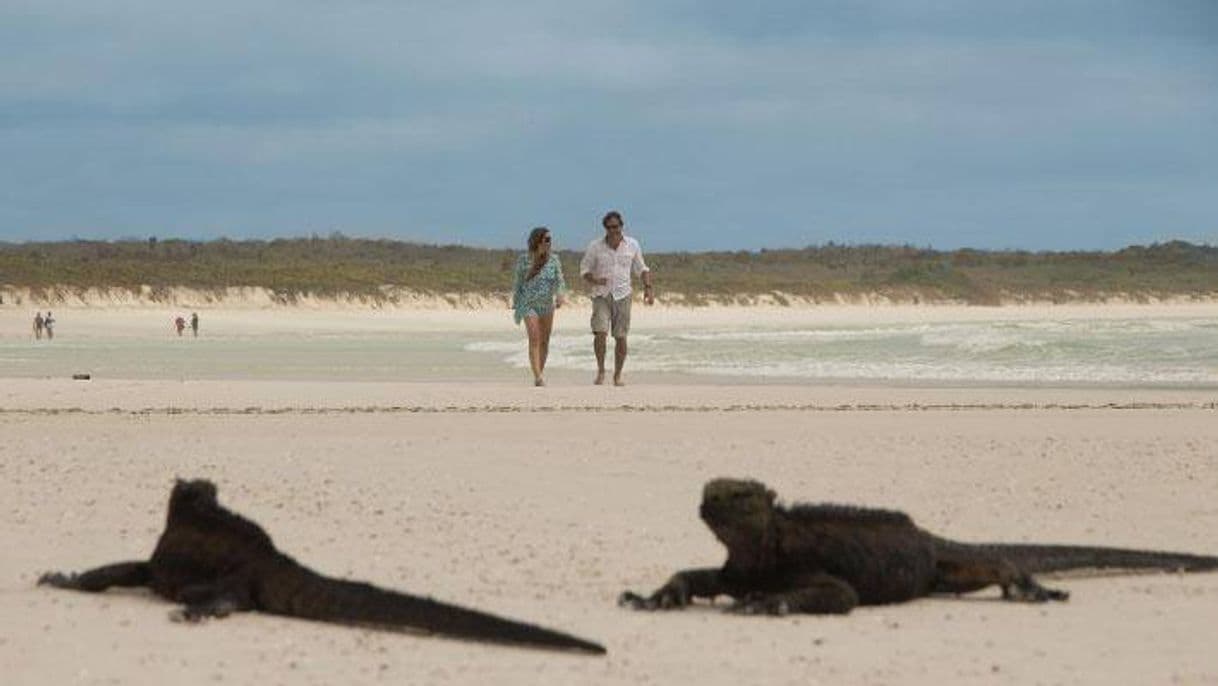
{"x": 535, "y": 296}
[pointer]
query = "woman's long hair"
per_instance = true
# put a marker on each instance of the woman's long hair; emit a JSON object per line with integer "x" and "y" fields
{"x": 535, "y": 237}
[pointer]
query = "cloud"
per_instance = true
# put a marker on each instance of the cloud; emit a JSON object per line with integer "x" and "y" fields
{"x": 700, "y": 115}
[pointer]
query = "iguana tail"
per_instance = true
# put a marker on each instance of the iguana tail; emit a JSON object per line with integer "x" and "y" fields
{"x": 1056, "y": 558}
{"x": 326, "y": 599}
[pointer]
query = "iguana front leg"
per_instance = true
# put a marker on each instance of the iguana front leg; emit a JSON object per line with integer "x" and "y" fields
{"x": 683, "y": 587}
{"x": 819, "y": 594}
{"x": 211, "y": 600}
{"x": 100, "y": 578}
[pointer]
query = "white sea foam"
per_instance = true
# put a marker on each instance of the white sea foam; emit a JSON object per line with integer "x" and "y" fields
{"x": 1136, "y": 352}
{"x": 803, "y": 334}
{"x": 492, "y": 346}
{"x": 879, "y": 371}
{"x": 981, "y": 340}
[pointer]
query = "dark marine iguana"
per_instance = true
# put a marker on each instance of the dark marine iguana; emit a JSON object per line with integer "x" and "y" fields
{"x": 216, "y": 562}
{"x": 823, "y": 559}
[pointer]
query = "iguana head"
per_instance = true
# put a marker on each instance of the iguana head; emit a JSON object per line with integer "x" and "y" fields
{"x": 194, "y": 492}
{"x": 737, "y": 510}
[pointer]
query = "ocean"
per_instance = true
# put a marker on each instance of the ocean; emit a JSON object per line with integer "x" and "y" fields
{"x": 1142, "y": 352}
{"x": 1135, "y": 352}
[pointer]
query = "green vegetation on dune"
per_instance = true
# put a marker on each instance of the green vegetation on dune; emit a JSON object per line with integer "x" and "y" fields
{"x": 338, "y": 265}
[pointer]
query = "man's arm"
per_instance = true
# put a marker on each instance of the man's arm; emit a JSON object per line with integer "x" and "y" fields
{"x": 640, "y": 268}
{"x": 586, "y": 265}
{"x": 560, "y": 292}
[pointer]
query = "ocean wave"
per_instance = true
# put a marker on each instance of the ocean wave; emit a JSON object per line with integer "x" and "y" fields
{"x": 492, "y": 346}
{"x": 973, "y": 340}
{"x": 802, "y": 334}
{"x": 901, "y": 370}
{"x": 1145, "y": 352}
{"x": 913, "y": 371}
{"x": 557, "y": 342}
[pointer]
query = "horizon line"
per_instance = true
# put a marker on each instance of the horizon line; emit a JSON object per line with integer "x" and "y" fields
{"x": 341, "y": 236}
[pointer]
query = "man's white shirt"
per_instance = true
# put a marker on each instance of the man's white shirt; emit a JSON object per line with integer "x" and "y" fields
{"x": 616, "y": 266}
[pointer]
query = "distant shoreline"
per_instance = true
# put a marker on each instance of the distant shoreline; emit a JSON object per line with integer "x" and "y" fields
{"x": 395, "y": 298}
{"x": 346, "y": 272}
{"x": 254, "y": 312}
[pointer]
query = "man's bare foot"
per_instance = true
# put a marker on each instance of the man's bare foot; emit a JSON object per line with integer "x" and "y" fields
{"x": 617, "y": 381}
{"x": 600, "y": 379}
{"x": 539, "y": 381}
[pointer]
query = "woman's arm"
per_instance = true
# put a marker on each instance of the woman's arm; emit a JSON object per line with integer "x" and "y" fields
{"x": 560, "y": 283}
{"x": 518, "y": 280}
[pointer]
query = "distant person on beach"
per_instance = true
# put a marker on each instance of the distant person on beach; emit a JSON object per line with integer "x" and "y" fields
{"x": 607, "y": 266}
{"x": 537, "y": 290}
{"x": 194, "y": 323}
{"x": 179, "y": 323}
{"x": 48, "y": 323}
{"x": 38, "y": 324}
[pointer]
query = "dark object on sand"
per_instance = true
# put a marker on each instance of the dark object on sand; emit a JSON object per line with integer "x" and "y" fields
{"x": 822, "y": 559}
{"x": 81, "y": 377}
{"x": 216, "y": 562}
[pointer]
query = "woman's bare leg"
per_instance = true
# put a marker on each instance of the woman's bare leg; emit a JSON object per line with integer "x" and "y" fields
{"x": 545, "y": 325}
{"x": 533, "y": 326}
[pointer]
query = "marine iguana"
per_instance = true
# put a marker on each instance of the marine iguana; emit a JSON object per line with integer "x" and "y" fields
{"x": 216, "y": 562}
{"x": 825, "y": 559}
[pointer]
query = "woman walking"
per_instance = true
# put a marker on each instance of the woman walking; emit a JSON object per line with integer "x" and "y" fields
{"x": 538, "y": 289}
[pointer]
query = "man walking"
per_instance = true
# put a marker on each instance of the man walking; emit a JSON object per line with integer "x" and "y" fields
{"x": 607, "y": 266}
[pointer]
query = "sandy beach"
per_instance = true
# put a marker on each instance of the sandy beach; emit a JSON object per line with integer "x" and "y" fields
{"x": 96, "y": 315}
{"x": 544, "y": 504}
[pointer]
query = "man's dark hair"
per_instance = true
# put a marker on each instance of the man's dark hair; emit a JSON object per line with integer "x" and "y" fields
{"x": 612, "y": 214}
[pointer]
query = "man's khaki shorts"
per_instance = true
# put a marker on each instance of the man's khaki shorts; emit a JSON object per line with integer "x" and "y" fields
{"x": 611, "y": 316}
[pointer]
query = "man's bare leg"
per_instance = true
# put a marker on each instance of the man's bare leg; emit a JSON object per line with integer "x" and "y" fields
{"x": 619, "y": 359}
{"x": 598, "y": 347}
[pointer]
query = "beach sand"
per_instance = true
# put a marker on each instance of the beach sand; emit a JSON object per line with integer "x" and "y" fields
{"x": 544, "y": 504}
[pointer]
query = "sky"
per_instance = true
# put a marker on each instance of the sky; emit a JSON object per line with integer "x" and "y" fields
{"x": 710, "y": 124}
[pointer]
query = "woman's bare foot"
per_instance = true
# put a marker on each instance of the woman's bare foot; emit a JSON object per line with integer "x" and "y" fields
{"x": 617, "y": 381}
{"x": 539, "y": 381}
{"x": 600, "y": 379}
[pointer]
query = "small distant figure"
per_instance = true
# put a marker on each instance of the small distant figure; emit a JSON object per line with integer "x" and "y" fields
{"x": 38, "y": 324}
{"x": 179, "y": 323}
{"x": 48, "y": 323}
{"x": 194, "y": 323}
